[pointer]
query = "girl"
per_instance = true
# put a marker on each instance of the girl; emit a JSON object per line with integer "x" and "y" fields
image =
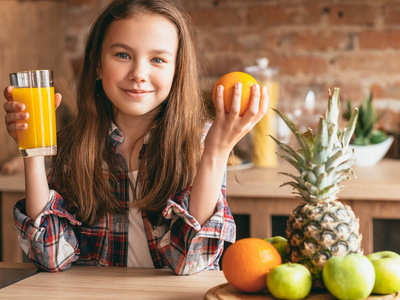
{"x": 134, "y": 183}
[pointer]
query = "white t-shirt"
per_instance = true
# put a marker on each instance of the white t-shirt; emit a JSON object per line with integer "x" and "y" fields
{"x": 138, "y": 249}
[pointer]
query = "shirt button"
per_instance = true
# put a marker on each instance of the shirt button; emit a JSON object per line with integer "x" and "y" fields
{"x": 155, "y": 232}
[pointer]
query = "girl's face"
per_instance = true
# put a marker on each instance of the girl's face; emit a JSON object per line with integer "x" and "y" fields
{"x": 138, "y": 63}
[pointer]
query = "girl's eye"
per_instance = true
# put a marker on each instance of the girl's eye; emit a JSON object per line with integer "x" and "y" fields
{"x": 157, "y": 60}
{"x": 122, "y": 55}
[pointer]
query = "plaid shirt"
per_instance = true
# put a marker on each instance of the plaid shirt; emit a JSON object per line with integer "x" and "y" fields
{"x": 56, "y": 239}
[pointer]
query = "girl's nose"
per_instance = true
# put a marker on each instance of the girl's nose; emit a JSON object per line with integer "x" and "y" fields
{"x": 138, "y": 73}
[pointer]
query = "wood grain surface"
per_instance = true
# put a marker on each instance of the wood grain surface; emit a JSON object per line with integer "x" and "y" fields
{"x": 84, "y": 282}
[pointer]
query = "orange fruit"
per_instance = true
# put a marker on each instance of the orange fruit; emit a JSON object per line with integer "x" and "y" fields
{"x": 247, "y": 262}
{"x": 228, "y": 82}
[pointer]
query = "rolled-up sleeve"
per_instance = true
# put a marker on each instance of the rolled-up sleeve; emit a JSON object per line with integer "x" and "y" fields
{"x": 49, "y": 241}
{"x": 189, "y": 247}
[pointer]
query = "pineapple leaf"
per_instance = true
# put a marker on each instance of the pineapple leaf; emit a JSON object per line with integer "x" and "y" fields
{"x": 346, "y": 166}
{"x": 309, "y": 138}
{"x": 332, "y": 115}
{"x": 332, "y": 112}
{"x": 319, "y": 169}
{"x": 310, "y": 177}
{"x": 292, "y": 161}
{"x": 349, "y": 129}
{"x": 298, "y": 179}
{"x": 341, "y": 178}
{"x": 312, "y": 189}
{"x": 322, "y": 181}
{"x": 338, "y": 159}
{"x": 297, "y": 190}
{"x": 290, "y": 151}
{"x": 293, "y": 184}
{"x": 342, "y": 170}
{"x": 329, "y": 192}
{"x": 321, "y": 142}
{"x": 300, "y": 138}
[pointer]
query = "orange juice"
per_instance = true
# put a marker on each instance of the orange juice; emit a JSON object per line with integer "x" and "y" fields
{"x": 39, "y": 102}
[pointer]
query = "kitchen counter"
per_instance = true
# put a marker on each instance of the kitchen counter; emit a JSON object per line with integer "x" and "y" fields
{"x": 373, "y": 194}
{"x": 381, "y": 181}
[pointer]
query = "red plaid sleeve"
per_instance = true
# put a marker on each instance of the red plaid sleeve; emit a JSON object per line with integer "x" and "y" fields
{"x": 50, "y": 240}
{"x": 189, "y": 247}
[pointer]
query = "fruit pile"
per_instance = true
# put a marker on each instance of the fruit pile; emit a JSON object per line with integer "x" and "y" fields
{"x": 323, "y": 246}
{"x": 251, "y": 265}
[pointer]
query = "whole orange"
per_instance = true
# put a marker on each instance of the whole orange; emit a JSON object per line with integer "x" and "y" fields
{"x": 228, "y": 82}
{"x": 247, "y": 262}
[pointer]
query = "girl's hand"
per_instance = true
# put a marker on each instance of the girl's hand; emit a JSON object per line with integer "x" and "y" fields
{"x": 226, "y": 131}
{"x": 229, "y": 128}
{"x": 16, "y": 115}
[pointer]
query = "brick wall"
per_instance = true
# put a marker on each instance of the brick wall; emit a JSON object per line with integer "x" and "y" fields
{"x": 317, "y": 45}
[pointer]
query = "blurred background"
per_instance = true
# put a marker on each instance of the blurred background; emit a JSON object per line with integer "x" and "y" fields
{"x": 315, "y": 45}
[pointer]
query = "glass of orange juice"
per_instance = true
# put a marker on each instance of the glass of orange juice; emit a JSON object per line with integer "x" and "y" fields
{"x": 35, "y": 89}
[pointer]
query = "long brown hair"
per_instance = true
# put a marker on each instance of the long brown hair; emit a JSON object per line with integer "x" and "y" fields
{"x": 86, "y": 168}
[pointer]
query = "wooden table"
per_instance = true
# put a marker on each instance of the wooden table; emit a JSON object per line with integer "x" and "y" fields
{"x": 113, "y": 283}
{"x": 375, "y": 193}
{"x": 81, "y": 282}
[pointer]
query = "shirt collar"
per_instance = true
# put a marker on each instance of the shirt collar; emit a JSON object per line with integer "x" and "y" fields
{"x": 116, "y": 136}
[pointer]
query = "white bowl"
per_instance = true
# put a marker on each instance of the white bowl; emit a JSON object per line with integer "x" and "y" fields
{"x": 367, "y": 156}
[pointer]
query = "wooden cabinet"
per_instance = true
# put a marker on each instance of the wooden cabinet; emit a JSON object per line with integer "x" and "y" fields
{"x": 11, "y": 190}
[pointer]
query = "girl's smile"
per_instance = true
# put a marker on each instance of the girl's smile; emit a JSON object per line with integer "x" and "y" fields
{"x": 137, "y": 94}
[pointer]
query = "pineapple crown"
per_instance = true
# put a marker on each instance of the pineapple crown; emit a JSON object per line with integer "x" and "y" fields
{"x": 324, "y": 160}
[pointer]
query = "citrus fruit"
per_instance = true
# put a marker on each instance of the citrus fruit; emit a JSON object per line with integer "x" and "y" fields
{"x": 247, "y": 262}
{"x": 228, "y": 81}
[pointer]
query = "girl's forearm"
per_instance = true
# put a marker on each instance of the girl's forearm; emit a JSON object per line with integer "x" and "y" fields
{"x": 207, "y": 186}
{"x": 36, "y": 187}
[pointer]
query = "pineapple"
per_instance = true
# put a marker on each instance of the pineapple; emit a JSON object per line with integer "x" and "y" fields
{"x": 321, "y": 226}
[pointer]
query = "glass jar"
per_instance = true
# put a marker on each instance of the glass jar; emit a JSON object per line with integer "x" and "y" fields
{"x": 264, "y": 148}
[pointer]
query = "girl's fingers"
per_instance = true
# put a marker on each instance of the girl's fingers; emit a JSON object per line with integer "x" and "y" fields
{"x": 258, "y": 105}
{"x": 12, "y": 106}
{"x": 14, "y": 127}
{"x": 12, "y": 117}
{"x": 8, "y": 93}
{"x": 219, "y": 102}
{"x": 235, "y": 105}
{"x": 254, "y": 103}
{"x": 264, "y": 101}
{"x": 57, "y": 99}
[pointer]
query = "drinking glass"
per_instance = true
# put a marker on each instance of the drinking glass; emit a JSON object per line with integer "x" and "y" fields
{"x": 35, "y": 89}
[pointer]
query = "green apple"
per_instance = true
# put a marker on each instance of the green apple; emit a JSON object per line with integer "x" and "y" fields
{"x": 289, "y": 281}
{"x": 280, "y": 243}
{"x": 387, "y": 272}
{"x": 349, "y": 277}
